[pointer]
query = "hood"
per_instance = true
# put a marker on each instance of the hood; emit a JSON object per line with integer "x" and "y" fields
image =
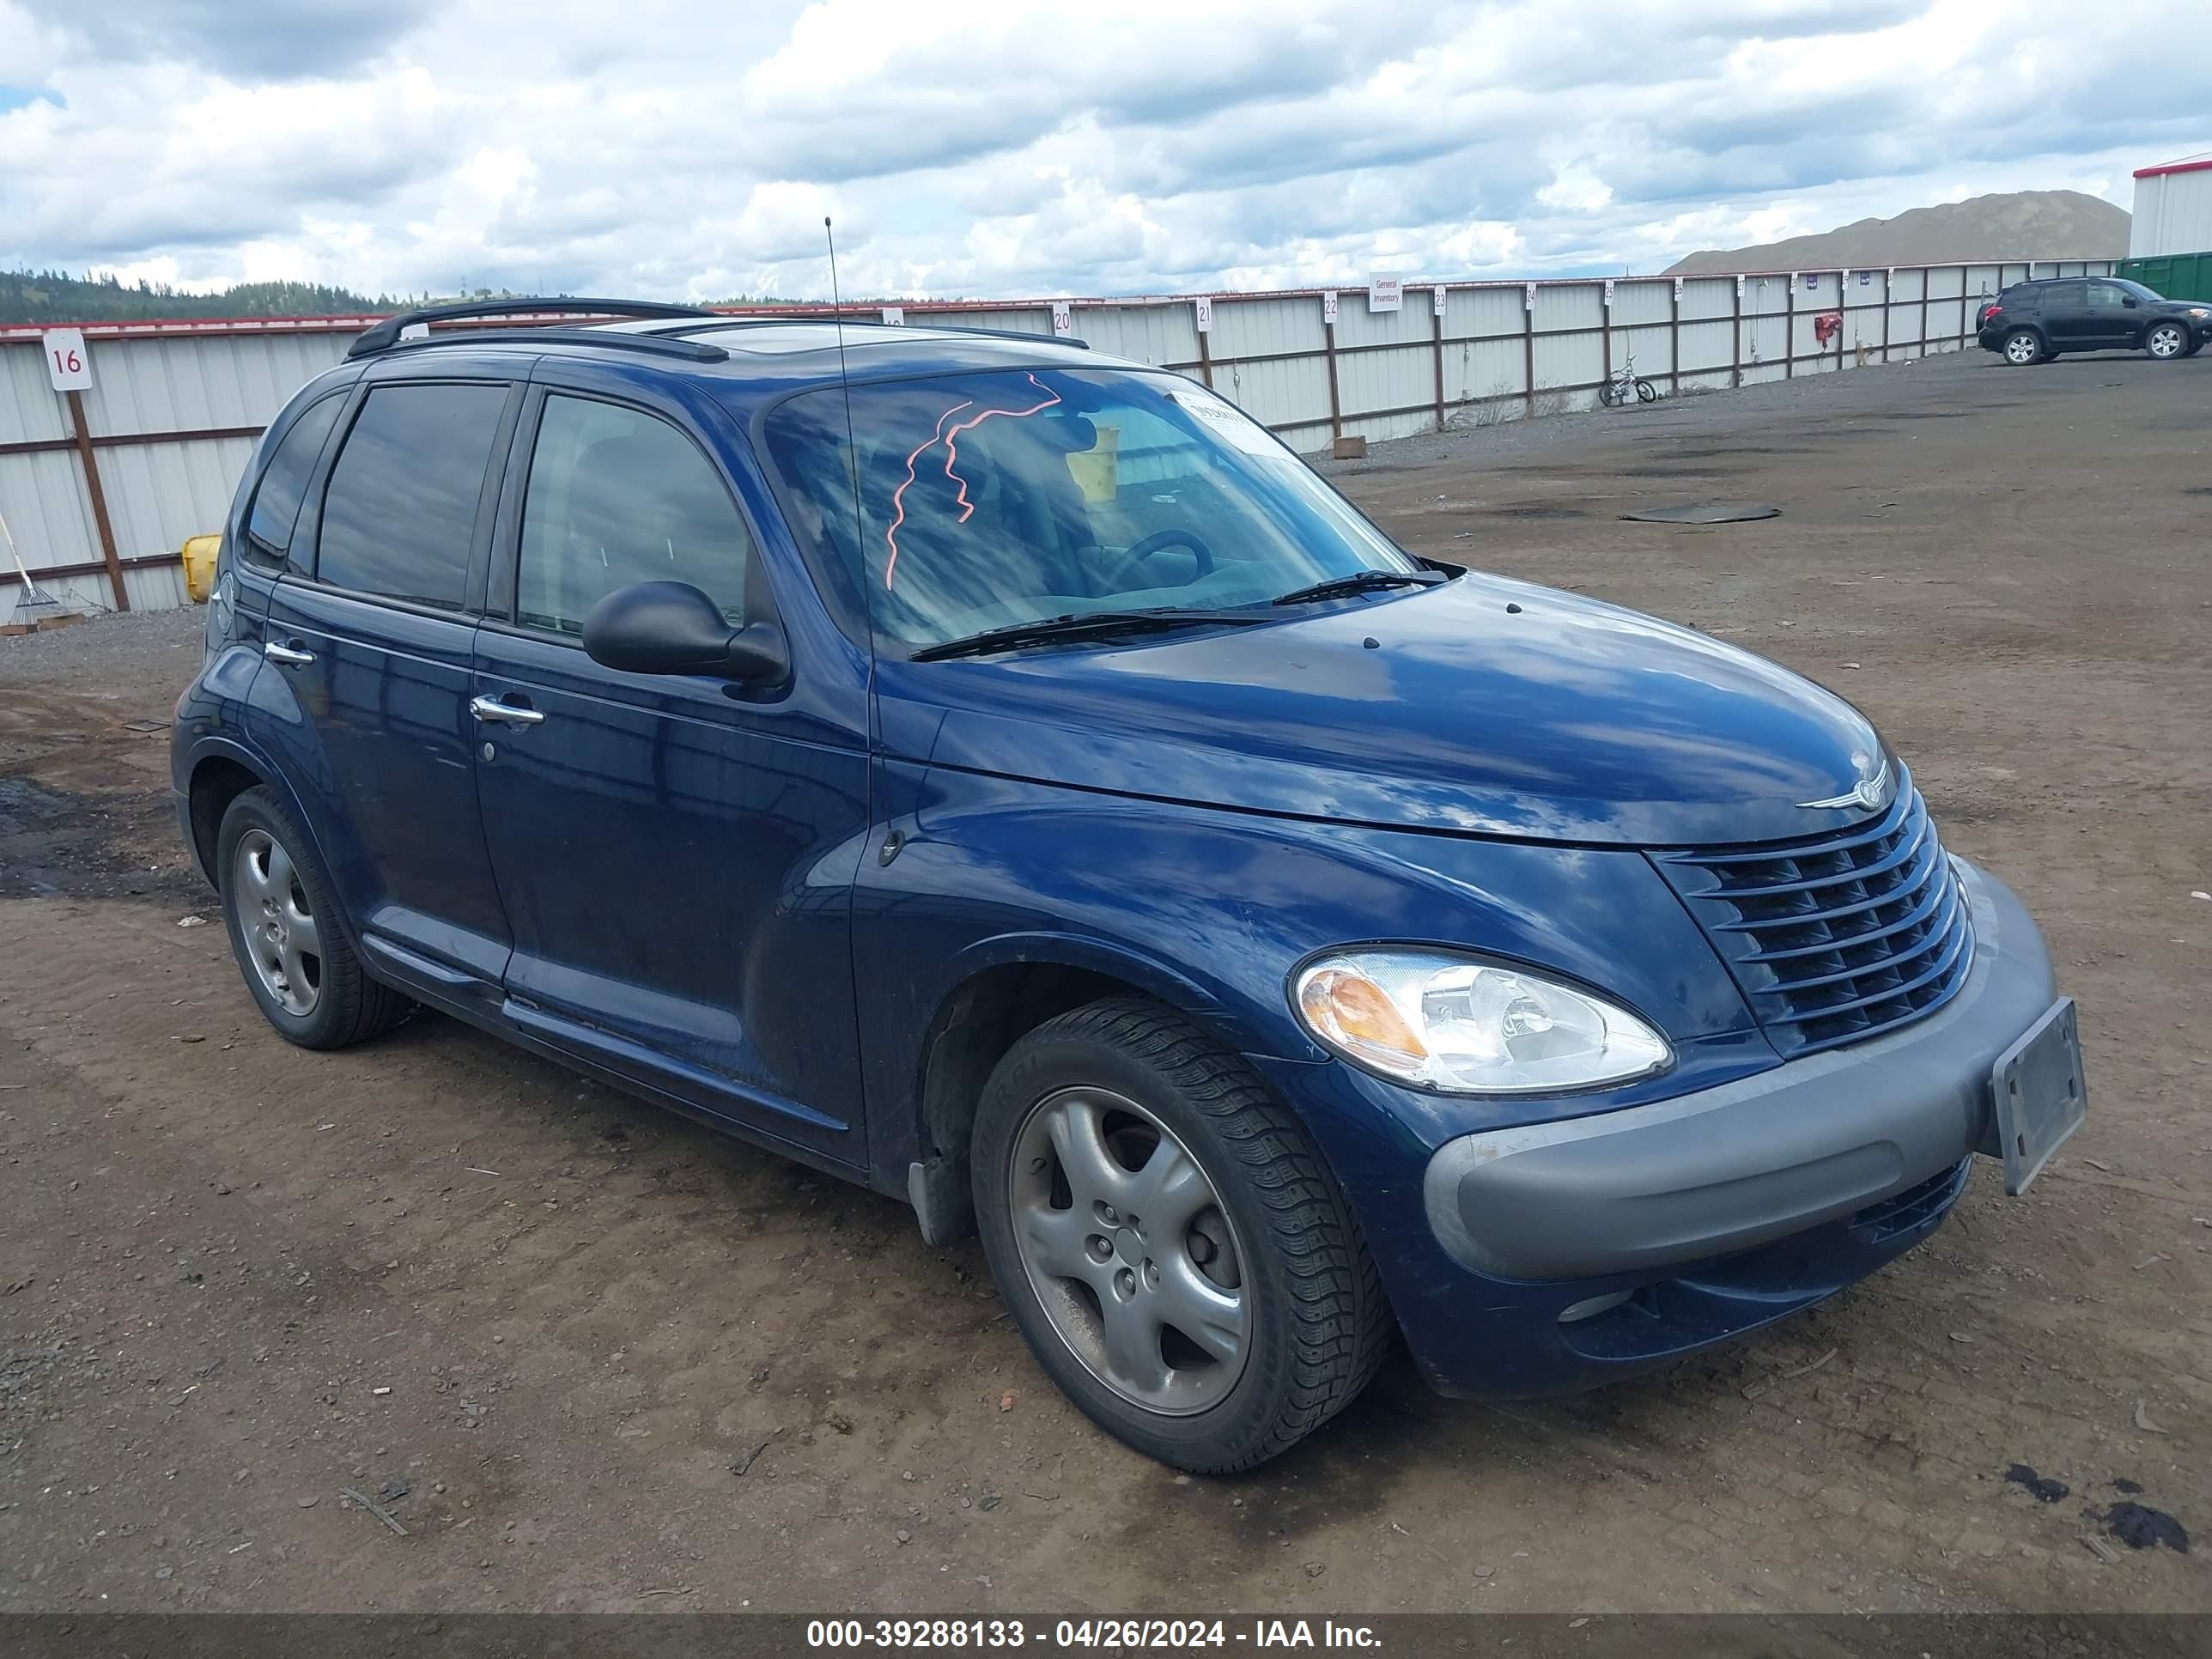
{"x": 1440, "y": 708}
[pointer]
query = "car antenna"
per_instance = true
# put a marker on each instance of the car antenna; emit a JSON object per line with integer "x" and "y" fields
{"x": 845, "y": 384}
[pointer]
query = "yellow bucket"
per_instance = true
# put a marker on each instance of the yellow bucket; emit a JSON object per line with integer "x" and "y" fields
{"x": 199, "y": 556}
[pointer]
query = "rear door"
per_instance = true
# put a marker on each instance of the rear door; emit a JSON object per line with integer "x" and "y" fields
{"x": 2066, "y": 320}
{"x": 676, "y": 852}
{"x": 370, "y": 629}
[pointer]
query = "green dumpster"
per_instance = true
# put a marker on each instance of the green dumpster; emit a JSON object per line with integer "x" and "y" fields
{"x": 2177, "y": 276}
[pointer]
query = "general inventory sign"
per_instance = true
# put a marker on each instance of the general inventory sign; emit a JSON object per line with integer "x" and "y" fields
{"x": 1385, "y": 292}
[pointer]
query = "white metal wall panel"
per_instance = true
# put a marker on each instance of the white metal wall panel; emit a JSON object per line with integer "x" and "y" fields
{"x": 160, "y": 494}
{"x": 1648, "y": 350}
{"x": 1370, "y": 382}
{"x": 1277, "y": 394}
{"x": 30, "y": 410}
{"x": 2172, "y": 214}
{"x": 1569, "y": 305}
{"x": 1356, "y": 325}
{"x": 47, "y": 510}
{"x": 1637, "y": 303}
{"x": 1705, "y": 345}
{"x": 1475, "y": 370}
{"x": 1253, "y": 328}
{"x": 1707, "y": 297}
{"x": 1567, "y": 360}
{"x": 1145, "y": 334}
{"x": 180, "y": 385}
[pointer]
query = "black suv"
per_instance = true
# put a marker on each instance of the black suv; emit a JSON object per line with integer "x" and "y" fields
{"x": 2035, "y": 322}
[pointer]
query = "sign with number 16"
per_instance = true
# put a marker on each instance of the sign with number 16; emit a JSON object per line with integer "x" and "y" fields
{"x": 69, "y": 366}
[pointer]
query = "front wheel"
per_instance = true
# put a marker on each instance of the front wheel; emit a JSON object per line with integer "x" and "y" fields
{"x": 2023, "y": 346}
{"x": 2165, "y": 340}
{"x": 1173, "y": 1246}
{"x": 1646, "y": 393}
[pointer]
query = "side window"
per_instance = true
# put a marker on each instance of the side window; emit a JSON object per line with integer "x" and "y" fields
{"x": 2063, "y": 296}
{"x": 401, "y": 505}
{"x": 2103, "y": 296}
{"x": 619, "y": 497}
{"x": 284, "y": 481}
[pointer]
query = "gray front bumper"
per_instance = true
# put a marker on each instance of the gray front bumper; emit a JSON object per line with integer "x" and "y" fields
{"x": 1730, "y": 1168}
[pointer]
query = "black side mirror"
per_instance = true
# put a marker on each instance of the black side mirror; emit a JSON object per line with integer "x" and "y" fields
{"x": 671, "y": 627}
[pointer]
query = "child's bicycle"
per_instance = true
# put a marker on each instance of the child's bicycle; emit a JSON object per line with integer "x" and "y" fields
{"x": 1624, "y": 386}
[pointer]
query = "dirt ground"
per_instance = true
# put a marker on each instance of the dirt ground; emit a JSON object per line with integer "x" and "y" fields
{"x": 545, "y": 1326}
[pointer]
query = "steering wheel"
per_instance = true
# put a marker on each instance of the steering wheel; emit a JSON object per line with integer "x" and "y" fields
{"x": 1165, "y": 538}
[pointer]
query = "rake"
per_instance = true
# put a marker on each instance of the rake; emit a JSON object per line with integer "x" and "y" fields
{"x": 31, "y": 604}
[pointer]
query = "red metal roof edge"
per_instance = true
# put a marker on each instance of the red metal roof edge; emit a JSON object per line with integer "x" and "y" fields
{"x": 2165, "y": 168}
{"x": 130, "y": 328}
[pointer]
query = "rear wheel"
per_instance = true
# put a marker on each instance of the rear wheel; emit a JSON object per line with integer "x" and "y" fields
{"x": 1646, "y": 393}
{"x": 2165, "y": 340}
{"x": 284, "y": 930}
{"x": 2023, "y": 346}
{"x": 1172, "y": 1245}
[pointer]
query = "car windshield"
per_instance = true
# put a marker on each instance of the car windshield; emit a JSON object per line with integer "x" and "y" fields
{"x": 1008, "y": 496}
{"x": 2136, "y": 288}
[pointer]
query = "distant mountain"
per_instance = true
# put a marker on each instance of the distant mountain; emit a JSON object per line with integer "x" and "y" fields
{"x": 2028, "y": 224}
{"x": 44, "y": 296}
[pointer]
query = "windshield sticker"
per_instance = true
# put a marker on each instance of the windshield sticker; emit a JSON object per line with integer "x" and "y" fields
{"x": 1226, "y": 421}
{"x": 951, "y": 440}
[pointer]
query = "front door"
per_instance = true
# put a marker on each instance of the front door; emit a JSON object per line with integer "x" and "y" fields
{"x": 676, "y": 853}
{"x": 368, "y": 628}
{"x": 2115, "y": 318}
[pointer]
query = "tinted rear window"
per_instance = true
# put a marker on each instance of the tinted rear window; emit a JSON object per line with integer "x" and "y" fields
{"x": 401, "y": 507}
{"x": 284, "y": 481}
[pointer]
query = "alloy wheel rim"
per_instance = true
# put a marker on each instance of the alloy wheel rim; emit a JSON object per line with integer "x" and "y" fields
{"x": 2165, "y": 341}
{"x": 2021, "y": 349}
{"x": 276, "y": 923}
{"x": 1126, "y": 1244}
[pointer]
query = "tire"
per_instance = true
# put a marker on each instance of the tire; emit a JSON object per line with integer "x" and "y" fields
{"x": 2023, "y": 346}
{"x": 1609, "y": 395}
{"x": 291, "y": 944}
{"x": 1252, "y": 1246}
{"x": 1646, "y": 393}
{"x": 2164, "y": 341}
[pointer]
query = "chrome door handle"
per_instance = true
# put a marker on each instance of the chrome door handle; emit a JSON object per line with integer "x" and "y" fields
{"x": 290, "y": 656}
{"x": 491, "y": 708}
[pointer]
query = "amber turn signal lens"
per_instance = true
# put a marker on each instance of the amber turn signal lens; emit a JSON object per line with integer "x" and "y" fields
{"x": 1352, "y": 1011}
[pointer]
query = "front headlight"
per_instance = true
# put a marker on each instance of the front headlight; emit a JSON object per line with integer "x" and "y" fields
{"x": 1464, "y": 1026}
{"x": 2199, "y": 311}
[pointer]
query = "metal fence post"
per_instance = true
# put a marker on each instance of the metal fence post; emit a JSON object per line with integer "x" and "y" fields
{"x": 1674, "y": 341}
{"x": 1528, "y": 345}
{"x": 1437, "y": 336}
{"x": 1736, "y": 338}
{"x": 1789, "y": 331}
{"x": 1335, "y": 401}
{"x": 83, "y": 434}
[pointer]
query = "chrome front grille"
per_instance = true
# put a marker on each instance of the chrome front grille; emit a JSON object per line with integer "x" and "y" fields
{"x": 1834, "y": 937}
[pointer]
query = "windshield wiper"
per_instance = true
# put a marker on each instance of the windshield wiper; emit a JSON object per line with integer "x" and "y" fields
{"x": 1090, "y": 624}
{"x": 1362, "y": 581}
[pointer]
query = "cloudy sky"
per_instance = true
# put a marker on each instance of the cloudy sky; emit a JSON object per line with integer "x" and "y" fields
{"x": 1027, "y": 147}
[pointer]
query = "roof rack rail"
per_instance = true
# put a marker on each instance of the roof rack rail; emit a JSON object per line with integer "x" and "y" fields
{"x": 382, "y": 336}
{"x": 658, "y": 345}
{"x": 724, "y": 321}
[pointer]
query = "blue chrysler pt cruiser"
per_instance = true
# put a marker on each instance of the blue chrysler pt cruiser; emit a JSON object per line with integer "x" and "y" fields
{"x": 1007, "y": 777}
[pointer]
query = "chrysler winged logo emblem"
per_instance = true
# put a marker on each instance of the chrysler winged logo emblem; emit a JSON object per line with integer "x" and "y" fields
{"x": 1871, "y": 790}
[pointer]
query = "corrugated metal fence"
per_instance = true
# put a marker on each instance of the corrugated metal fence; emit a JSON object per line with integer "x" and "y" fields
{"x": 101, "y": 487}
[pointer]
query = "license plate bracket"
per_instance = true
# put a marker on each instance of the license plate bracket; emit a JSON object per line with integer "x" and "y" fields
{"x": 2038, "y": 1094}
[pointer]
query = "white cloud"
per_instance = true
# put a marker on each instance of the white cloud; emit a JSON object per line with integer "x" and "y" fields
{"x": 979, "y": 147}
